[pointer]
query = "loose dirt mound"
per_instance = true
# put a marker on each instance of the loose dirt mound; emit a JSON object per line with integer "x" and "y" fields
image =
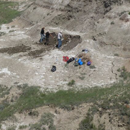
{"x": 68, "y": 40}
{"x": 71, "y": 41}
{"x": 16, "y": 49}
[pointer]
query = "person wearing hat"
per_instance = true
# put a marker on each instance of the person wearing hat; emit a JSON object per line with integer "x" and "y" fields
{"x": 59, "y": 39}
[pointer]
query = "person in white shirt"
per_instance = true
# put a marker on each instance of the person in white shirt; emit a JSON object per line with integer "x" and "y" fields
{"x": 59, "y": 39}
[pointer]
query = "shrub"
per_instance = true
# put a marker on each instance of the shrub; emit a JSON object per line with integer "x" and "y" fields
{"x": 23, "y": 126}
{"x": 92, "y": 67}
{"x": 116, "y": 54}
{"x": 71, "y": 83}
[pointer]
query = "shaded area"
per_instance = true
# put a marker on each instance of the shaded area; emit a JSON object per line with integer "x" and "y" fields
{"x": 16, "y": 49}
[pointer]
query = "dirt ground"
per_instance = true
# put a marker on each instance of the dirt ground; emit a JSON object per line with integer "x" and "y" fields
{"x": 36, "y": 60}
{"x": 25, "y": 60}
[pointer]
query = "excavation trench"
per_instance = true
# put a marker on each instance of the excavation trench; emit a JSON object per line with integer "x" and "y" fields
{"x": 68, "y": 43}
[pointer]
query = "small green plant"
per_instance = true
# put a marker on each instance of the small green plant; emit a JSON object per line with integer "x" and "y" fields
{"x": 71, "y": 83}
{"x": 124, "y": 74}
{"x": 2, "y": 33}
{"x": 92, "y": 67}
{"x": 116, "y": 54}
{"x": 82, "y": 77}
{"x": 13, "y": 26}
{"x": 34, "y": 113}
{"x": 112, "y": 23}
{"x": 11, "y": 31}
{"x": 129, "y": 13}
{"x": 23, "y": 126}
{"x": 11, "y": 128}
{"x": 83, "y": 74}
{"x": 66, "y": 65}
{"x": 119, "y": 70}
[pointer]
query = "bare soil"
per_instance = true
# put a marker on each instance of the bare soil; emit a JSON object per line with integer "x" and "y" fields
{"x": 16, "y": 49}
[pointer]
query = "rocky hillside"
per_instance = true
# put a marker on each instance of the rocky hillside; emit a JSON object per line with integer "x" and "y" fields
{"x": 106, "y": 22}
{"x": 67, "y": 98}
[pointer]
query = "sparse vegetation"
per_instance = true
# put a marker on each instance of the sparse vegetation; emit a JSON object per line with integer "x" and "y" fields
{"x": 116, "y": 54}
{"x": 2, "y": 33}
{"x": 13, "y": 26}
{"x": 92, "y": 67}
{"x": 9, "y": 12}
{"x": 71, "y": 83}
{"x": 124, "y": 74}
{"x": 87, "y": 124}
{"x": 23, "y": 127}
{"x": 112, "y": 23}
{"x": 46, "y": 119}
{"x": 11, "y": 128}
{"x": 33, "y": 113}
{"x": 11, "y": 31}
{"x": 4, "y": 91}
{"x": 82, "y": 77}
{"x": 113, "y": 98}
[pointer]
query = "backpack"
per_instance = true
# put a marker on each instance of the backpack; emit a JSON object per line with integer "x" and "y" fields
{"x": 88, "y": 63}
{"x": 53, "y": 69}
{"x": 70, "y": 60}
{"x": 80, "y": 62}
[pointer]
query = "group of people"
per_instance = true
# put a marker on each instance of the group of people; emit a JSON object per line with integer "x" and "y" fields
{"x": 45, "y": 36}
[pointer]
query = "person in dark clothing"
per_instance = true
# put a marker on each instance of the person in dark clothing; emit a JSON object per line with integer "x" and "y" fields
{"x": 42, "y": 35}
{"x": 47, "y": 37}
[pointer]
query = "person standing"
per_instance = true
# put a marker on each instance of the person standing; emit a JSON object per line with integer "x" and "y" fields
{"x": 42, "y": 35}
{"x": 59, "y": 39}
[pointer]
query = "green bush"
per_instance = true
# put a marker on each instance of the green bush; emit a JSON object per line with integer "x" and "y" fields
{"x": 87, "y": 124}
{"x": 92, "y": 67}
{"x": 11, "y": 128}
{"x": 46, "y": 119}
{"x": 71, "y": 83}
{"x": 123, "y": 73}
{"x": 23, "y": 126}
